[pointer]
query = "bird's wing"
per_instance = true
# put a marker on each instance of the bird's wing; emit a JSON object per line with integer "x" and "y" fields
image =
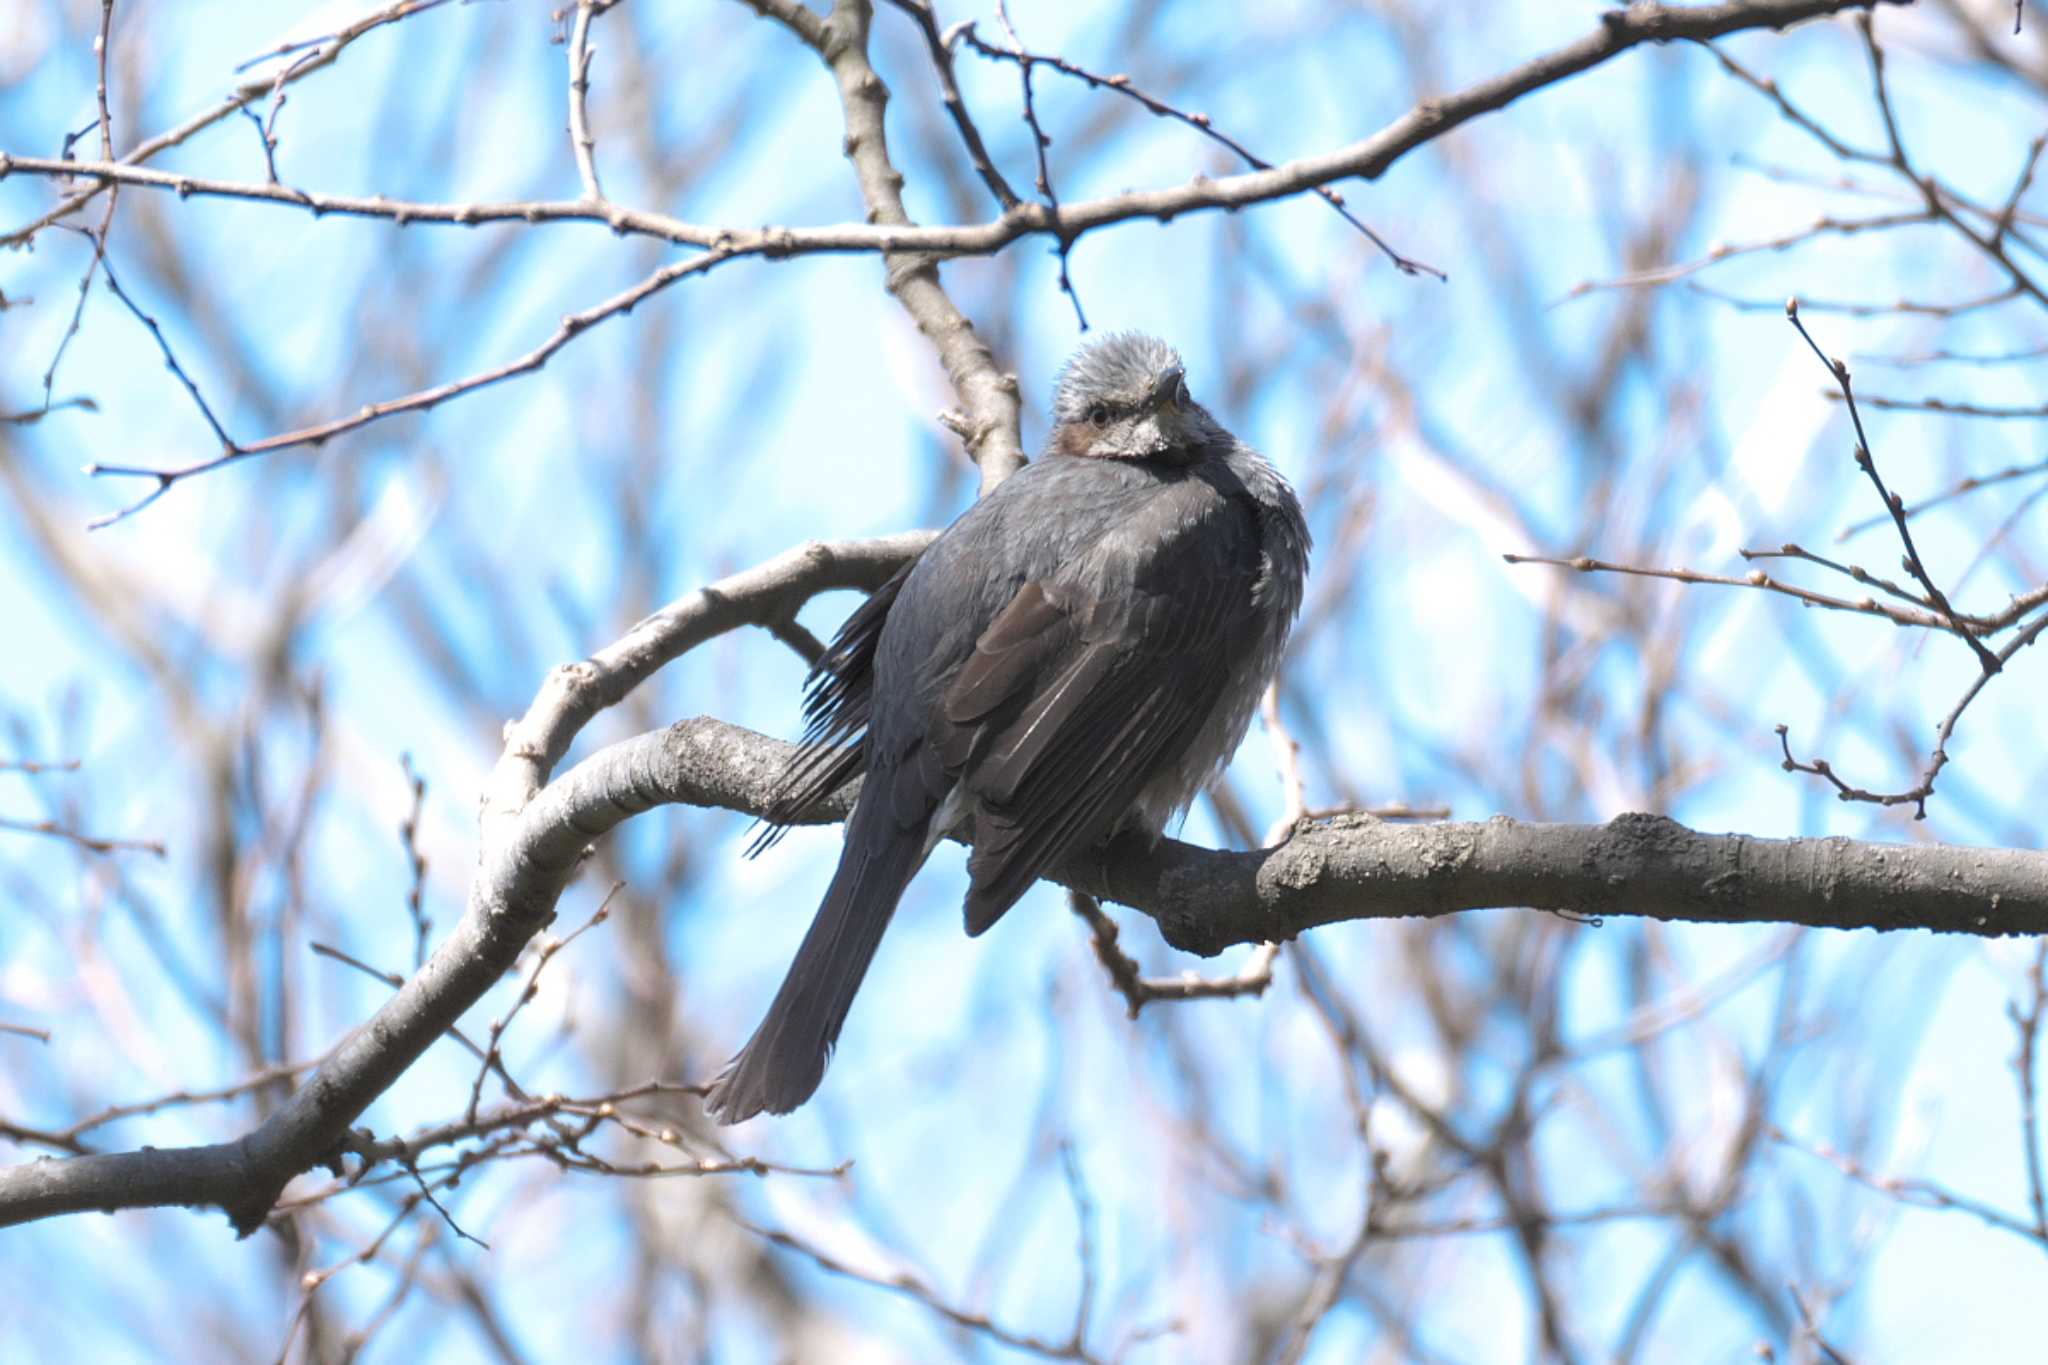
{"x": 1080, "y": 692}
{"x": 838, "y": 700}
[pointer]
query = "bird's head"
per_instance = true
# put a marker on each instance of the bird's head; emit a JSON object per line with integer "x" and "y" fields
{"x": 1126, "y": 397}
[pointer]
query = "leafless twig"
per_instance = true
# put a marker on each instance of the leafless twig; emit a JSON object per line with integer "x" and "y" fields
{"x": 415, "y": 861}
{"x": 549, "y": 946}
{"x": 2026, "y": 1022}
{"x": 580, "y": 139}
{"x": 90, "y": 842}
{"x": 329, "y": 49}
{"x": 941, "y": 49}
{"x": 1139, "y": 990}
{"x": 1953, "y": 408}
{"x": 35, "y": 767}
{"x": 1918, "y": 1193}
{"x": 1867, "y": 462}
{"x": 572, "y": 326}
{"x": 1039, "y": 143}
{"x": 1757, "y": 578}
{"x": 1967, "y": 485}
{"x": 1201, "y": 123}
{"x": 910, "y": 1286}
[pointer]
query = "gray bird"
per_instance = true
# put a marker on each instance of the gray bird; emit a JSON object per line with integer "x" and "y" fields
{"x": 1080, "y": 652}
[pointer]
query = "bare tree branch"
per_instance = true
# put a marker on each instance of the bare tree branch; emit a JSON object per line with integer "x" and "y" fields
{"x": 533, "y": 840}
{"x": 994, "y": 434}
{"x": 328, "y": 48}
{"x": 1352, "y": 867}
{"x": 911, "y": 253}
{"x": 1356, "y": 867}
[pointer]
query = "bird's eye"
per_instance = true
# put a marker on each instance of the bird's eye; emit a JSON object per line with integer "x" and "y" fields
{"x": 1099, "y": 415}
{"x": 1181, "y": 397}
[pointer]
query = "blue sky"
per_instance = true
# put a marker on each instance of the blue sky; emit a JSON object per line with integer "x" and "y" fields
{"x": 799, "y": 403}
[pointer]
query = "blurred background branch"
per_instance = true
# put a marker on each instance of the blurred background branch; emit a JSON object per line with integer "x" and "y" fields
{"x": 1486, "y": 1136}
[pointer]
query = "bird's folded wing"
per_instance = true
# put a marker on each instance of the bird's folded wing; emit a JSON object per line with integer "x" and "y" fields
{"x": 1075, "y": 698}
{"x": 838, "y": 700}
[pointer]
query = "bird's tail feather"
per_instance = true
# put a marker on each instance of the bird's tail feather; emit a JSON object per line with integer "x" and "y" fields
{"x": 785, "y": 1059}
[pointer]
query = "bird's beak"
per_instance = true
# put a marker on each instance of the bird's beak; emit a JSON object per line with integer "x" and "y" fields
{"x": 1164, "y": 388}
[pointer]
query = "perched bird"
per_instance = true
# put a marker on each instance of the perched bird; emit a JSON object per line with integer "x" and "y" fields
{"x": 1080, "y": 652}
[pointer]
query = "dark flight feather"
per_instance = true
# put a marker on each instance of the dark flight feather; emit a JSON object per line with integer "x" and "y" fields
{"x": 838, "y": 700}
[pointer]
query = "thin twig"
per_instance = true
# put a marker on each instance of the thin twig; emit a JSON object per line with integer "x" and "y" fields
{"x": 572, "y": 326}
{"x": 1867, "y": 462}
{"x": 1084, "y": 1223}
{"x": 164, "y": 479}
{"x": 300, "y": 45}
{"x": 908, "y": 1284}
{"x": 91, "y": 842}
{"x": 1917, "y": 794}
{"x": 2002, "y": 226}
{"x": 1039, "y": 142}
{"x": 102, "y": 46}
{"x": 549, "y": 946}
{"x": 330, "y": 49}
{"x": 1952, "y": 408}
{"x": 1724, "y": 251}
{"x": 416, "y": 862}
{"x": 580, "y": 139}
{"x": 1139, "y": 990}
{"x": 1854, "y": 572}
{"x": 36, "y": 767}
{"x": 2027, "y": 1023}
{"x": 1755, "y": 578}
{"x": 412, "y": 1169}
{"x": 1946, "y": 356}
{"x": 1201, "y": 123}
{"x": 72, "y": 1139}
{"x": 82, "y": 402}
{"x": 1918, "y": 1193}
{"x": 1968, "y": 485}
{"x": 939, "y": 46}
{"x": 1913, "y": 307}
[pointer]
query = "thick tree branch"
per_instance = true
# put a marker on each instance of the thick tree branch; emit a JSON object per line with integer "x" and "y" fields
{"x": 993, "y": 431}
{"x": 1355, "y": 867}
{"x": 766, "y": 595}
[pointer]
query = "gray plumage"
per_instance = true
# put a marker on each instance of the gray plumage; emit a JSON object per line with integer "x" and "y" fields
{"x": 1081, "y": 650}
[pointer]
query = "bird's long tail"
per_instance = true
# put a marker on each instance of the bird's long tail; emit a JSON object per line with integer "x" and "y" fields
{"x": 785, "y": 1059}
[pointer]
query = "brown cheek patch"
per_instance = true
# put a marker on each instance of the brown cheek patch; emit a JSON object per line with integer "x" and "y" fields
{"x": 1071, "y": 438}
